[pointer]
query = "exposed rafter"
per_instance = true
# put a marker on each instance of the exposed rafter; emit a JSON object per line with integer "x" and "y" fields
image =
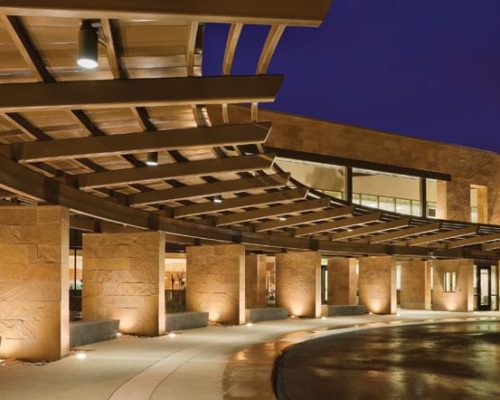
{"x": 241, "y": 202}
{"x": 367, "y": 230}
{"x": 290, "y": 12}
{"x": 170, "y": 171}
{"x": 474, "y": 240}
{"x": 305, "y": 219}
{"x": 403, "y": 233}
{"x": 437, "y": 237}
{"x": 270, "y": 212}
{"x": 339, "y": 224}
{"x": 138, "y": 92}
{"x": 207, "y": 189}
{"x": 178, "y": 139}
{"x": 491, "y": 246}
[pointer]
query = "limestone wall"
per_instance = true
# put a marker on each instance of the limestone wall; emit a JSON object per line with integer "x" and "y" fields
{"x": 462, "y": 299}
{"x": 215, "y": 282}
{"x": 415, "y": 285}
{"x": 34, "y": 303}
{"x": 124, "y": 278}
{"x": 298, "y": 283}
{"x": 377, "y": 284}
{"x": 342, "y": 281}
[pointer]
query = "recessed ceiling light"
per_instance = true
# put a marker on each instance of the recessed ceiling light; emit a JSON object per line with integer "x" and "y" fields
{"x": 152, "y": 160}
{"x": 282, "y": 219}
{"x": 217, "y": 199}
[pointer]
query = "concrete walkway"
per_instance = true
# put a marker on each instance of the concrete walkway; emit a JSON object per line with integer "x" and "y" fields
{"x": 210, "y": 363}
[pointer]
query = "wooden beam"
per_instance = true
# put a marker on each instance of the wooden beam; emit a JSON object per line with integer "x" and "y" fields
{"x": 306, "y": 218}
{"x": 138, "y": 92}
{"x": 491, "y": 246}
{"x": 270, "y": 212}
{"x": 241, "y": 202}
{"x": 492, "y": 237}
{"x": 290, "y": 12}
{"x": 174, "y": 139}
{"x": 339, "y": 224}
{"x": 416, "y": 230}
{"x": 437, "y": 237}
{"x": 367, "y": 230}
{"x": 176, "y": 170}
{"x": 25, "y": 182}
{"x": 272, "y": 40}
{"x": 88, "y": 224}
{"x": 207, "y": 189}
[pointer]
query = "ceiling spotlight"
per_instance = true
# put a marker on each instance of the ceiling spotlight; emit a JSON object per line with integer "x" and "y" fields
{"x": 87, "y": 50}
{"x": 217, "y": 199}
{"x": 282, "y": 219}
{"x": 152, "y": 160}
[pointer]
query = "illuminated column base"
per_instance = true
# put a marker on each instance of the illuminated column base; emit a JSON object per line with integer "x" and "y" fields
{"x": 415, "y": 285}
{"x": 124, "y": 279}
{"x": 34, "y": 287}
{"x": 453, "y": 285}
{"x": 377, "y": 284}
{"x": 342, "y": 281}
{"x": 255, "y": 281}
{"x": 215, "y": 282}
{"x": 298, "y": 283}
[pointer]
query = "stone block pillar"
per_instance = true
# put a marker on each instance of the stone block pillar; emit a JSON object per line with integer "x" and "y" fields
{"x": 34, "y": 287}
{"x": 415, "y": 285}
{"x": 298, "y": 283}
{"x": 377, "y": 284}
{"x": 124, "y": 279}
{"x": 342, "y": 281}
{"x": 255, "y": 281}
{"x": 215, "y": 282}
{"x": 461, "y": 296}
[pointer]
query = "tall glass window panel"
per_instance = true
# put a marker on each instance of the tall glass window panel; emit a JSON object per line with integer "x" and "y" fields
{"x": 330, "y": 179}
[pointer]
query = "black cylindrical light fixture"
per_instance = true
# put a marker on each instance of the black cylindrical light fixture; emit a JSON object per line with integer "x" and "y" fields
{"x": 88, "y": 45}
{"x": 152, "y": 159}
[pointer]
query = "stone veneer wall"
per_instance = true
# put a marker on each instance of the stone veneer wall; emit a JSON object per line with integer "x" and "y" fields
{"x": 466, "y": 165}
{"x": 34, "y": 300}
{"x": 342, "y": 281}
{"x": 215, "y": 282}
{"x": 255, "y": 281}
{"x": 124, "y": 279}
{"x": 415, "y": 285}
{"x": 377, "y": 284}
{"x": 298, "y": 283}
{"x": 463, "y": 297}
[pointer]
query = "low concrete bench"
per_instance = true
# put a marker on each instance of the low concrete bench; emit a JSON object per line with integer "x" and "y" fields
{"x": 185, "y": 320}
{"x": 265, "y": 314}
{"x": 346, "y": 310}
{"x": 85, "y": 332}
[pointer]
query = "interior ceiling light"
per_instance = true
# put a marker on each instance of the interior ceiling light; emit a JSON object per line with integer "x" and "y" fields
{"x": 88, "y": 45}
{"x": 283, "y": 218}
{"x": 152, "y": 160}
{"x": 217, "y": 199}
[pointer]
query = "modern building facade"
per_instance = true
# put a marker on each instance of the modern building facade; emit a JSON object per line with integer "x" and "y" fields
{"x": 116, "y": 154}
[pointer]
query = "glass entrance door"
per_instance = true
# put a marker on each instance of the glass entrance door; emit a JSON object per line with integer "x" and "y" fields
{"x": 486, "y": 287}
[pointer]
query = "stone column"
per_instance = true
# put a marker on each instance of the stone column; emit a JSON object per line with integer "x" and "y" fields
{"x": 377, "y": 284}
{"x": 462, "y": 297}
{"x": 34, "y": 286}
{"x": 415, "y": 285}
{"x": 342, "y": 281}
{"x": 124, "y": 279}
{"x": 215, "y": 282}
{"x": 298, "y": 283}
{"x": 255, "y": 281}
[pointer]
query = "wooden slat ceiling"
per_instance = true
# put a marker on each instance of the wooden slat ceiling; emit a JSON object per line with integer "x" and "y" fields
{"x": 81, "y": 138}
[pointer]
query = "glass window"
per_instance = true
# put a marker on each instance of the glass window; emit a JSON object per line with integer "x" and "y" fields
{"x": 356, "y": 198}
{"x": 331, "y": 179}
{"x": 415, "y": 208}
{"x": 403, "y": 206}
{"x": 450, "y": 282}
{"x": 431, "y": 209}
{"x": 387, "y": 203}
{"x": 369, "y": 201}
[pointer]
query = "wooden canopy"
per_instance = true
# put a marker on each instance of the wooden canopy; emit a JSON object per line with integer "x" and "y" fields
{"x": 82, "y": 138}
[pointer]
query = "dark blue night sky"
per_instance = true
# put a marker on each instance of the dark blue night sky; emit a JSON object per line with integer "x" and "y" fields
{"x": 429, "y": 69}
